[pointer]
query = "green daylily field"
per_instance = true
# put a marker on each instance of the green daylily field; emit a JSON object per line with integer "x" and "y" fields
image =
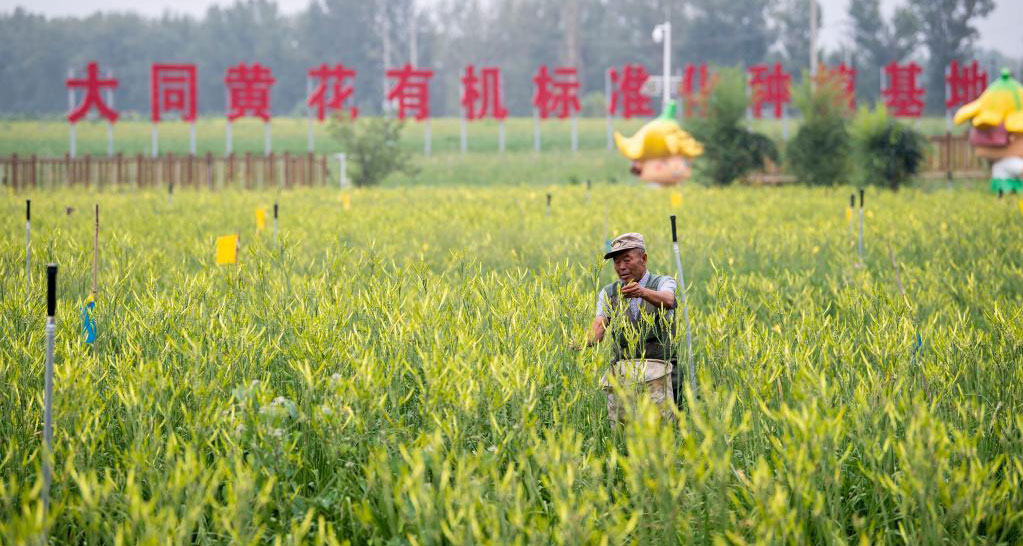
{"x": 404, "y": 371}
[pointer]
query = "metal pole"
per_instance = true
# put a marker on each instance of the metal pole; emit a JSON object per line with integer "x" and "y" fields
{"x": 607, "y": 97}
{"x": 685, "y": 306}
{"x": 813, "y": 40}
{"x": 51, "y": 307}
{"x": 155, "y": 141}
{"x": 28, "y": 247}
{"x": 341, "y": 177}
{"x": 575, "y": 132}
{"x": 309, "y": 117}
{"x": 73, "y": 137}
{"x": 267, "y": 139}
{"x": 849, "y": 211}
{"x": 536, "y": 130}
{"x": 191, "y": 138}
{"x": 228, "y": 148}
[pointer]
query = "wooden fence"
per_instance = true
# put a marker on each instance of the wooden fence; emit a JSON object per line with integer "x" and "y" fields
{"x": 207, "y": 172}
{"x": 949, "y": 156}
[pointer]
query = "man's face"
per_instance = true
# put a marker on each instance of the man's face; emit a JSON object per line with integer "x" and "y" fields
{"x": 630, "y": 265}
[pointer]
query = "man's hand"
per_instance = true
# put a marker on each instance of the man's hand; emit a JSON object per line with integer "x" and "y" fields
{"x": 634, "y": 290}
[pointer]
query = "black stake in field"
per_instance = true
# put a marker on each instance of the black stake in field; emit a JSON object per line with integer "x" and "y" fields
{"x": 685, "y": 307}
{"x": 51, "y": 328}
{"x": 275, "y": 224}
{"x": 28, "y": 247}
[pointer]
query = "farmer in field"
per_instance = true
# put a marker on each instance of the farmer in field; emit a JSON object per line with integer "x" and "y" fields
{"x": 637, "y": 310}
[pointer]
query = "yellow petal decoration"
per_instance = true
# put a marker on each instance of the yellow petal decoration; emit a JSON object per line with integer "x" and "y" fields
{"x": 662, "y": 137}
{"x": 1001, "y": 102}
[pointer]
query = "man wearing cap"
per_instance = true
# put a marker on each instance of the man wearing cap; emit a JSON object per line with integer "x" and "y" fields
{"x": 639, "y": 303}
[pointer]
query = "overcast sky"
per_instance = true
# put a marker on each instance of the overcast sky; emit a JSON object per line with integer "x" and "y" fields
{"x": 1002, "y": 30}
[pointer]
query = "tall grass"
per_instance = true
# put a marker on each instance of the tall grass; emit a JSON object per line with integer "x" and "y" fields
{"x": 402, "y": 372}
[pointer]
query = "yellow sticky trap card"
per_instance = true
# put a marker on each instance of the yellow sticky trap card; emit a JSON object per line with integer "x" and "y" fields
{"x": 676, "y": 199}
{"x": 227, "y": 249}
{"x": 848, "y": 214}
{"x": 1020, "y": 203}
{"x": 260, "y": 219}
{"x": 346, "y": 201}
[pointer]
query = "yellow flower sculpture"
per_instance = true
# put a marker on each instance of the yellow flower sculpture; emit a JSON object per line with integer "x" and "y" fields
{"x": 1001, "y": 103}
{"x": 659, "y": 149}
{"x": 997, "y": 132}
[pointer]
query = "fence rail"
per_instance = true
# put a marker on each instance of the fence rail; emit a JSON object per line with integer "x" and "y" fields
{"x": 949, "y": 156}
{"x": 208, "y": 172}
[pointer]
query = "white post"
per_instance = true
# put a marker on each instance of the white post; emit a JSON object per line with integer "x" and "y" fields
{"x": 500, "y": 136}
{"x": 309, "y": 116}
{"x": 110, "y": 124}
{"x": 342, "y": 181}
{"x": 607, "y": 98}
{"x": 662, "y": 35}
{"x": 72, "y": 136}
{"x": 948, "y": 95}
{"x": 427, "y": 137}
{"x": 575, "y": 132}
{"x": 191, "y": 138}
{"x": 228, "y": 148}
{"x": 813, "y": 41}
{"x": 536, "y": 130}
{"x": 267, "y": 139}
{"x": 110, "y": 139}
{"x": 155, "y": 138}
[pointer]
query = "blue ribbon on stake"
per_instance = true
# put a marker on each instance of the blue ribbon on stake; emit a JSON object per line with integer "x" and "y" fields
{"x": 89, "y": 325}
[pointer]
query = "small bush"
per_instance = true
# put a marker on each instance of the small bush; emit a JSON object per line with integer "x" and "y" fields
{"x": 730, "y": 150}
{"x": 887, "y": 152}
{"x": 819, "y": 154}
{"x": 372, "y": 147}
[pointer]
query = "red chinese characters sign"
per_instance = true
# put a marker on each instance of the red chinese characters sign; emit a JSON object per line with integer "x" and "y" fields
{"x": 482, "y": 94}
{"x": 626, "y": 95}
{"x": 248, "y": 91}
{"x": 411, "y": 91}
{"x": 558, "y": 94}
{"x": 694, "y": 89}
{"x": 92, "y": 84}
{"x": 172, "y": 89}
{"x": 331, "y": 90}
{"x": 770, "y": 85}
{"x": 903, "y": 96}
{"x": 963, "y": 84}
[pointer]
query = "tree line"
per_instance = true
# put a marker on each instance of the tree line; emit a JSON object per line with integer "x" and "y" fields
{"x": 36, "y": 52}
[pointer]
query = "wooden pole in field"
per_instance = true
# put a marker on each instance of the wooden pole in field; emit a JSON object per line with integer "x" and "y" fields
{"x": 28, "y": 247}
{"x": 51, "y": 328}
{"x": 685, "y": 306}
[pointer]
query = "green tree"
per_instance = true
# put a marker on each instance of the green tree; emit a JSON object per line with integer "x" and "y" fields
{"x": 886, "y": 152}
{"x": 949, "y": 32}
{"x": 792, "y": 23}
{"x": 730, "y": 150}
{"x": 879, "y": 42}
{"x": 372, "y": 145}
{"x": 819, "y": 154}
